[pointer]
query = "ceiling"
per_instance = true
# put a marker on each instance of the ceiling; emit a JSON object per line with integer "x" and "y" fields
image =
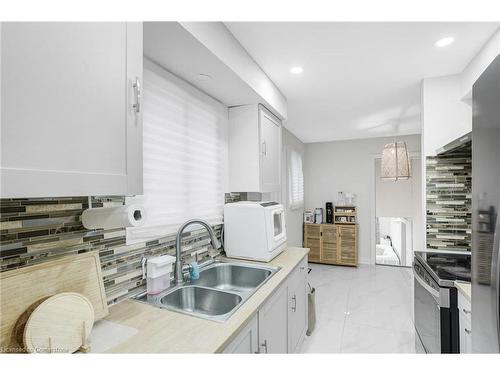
{"x": 171, "y": 46}
{"x": 361, "y": 79}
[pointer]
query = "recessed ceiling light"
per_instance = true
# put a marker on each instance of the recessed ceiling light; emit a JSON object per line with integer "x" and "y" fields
{"x": 296, "y": 70}
{"x": 202, "y": 77}
{"x": 443, "y": 42}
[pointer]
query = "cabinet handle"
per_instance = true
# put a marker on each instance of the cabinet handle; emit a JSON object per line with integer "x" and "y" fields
{"x": 264, "y": 345}
{"x": 294, "y": 299}
{"x": 137, "y": 95}
{"x": 264, "y": 148}
{"x": 468, "y": 331}
{"x": 466, "y": 311}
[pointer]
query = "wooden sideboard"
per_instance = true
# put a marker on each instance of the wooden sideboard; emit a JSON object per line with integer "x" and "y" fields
{"x": 332, "y": 243}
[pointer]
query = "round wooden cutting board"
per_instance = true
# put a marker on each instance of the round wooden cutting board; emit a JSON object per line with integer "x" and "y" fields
{"x": 60, "y": 324}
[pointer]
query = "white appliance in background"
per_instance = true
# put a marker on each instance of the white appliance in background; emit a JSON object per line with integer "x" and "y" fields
{"x": 254, "y": 230}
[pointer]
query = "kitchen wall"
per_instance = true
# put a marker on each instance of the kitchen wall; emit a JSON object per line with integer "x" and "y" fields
{"x": 293, "y": 217}
{"x": 449, "y": 189}
{"x": 348, "y": 166}
{"x": 480, "y": 62}
{"x": 40, "y": 229}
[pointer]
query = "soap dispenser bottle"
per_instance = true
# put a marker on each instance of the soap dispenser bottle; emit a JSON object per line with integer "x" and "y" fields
{"x": 158, "y": 273}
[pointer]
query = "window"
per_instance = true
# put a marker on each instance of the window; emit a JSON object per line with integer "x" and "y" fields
{"x": 184, "y": 156}
{"x": 295, "y": 180}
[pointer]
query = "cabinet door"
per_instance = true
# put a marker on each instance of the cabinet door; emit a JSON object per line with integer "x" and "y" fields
{"x": 67, "y": 118}
{"x": 297, "y": 307}
{"x": 464, "y": 322}
{"x": 465, "y": 332}
{"x": 246, "y": 342}
{"x": 329, "y": 253}
{"x": 270, "y": 148}
{"x": 273, "y": 326}
{"x": 312, "y": 240}
{"x": 347, "y": 244}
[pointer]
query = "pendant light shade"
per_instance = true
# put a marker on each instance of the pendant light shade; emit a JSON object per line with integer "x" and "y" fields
{"x": 395, "y": 162}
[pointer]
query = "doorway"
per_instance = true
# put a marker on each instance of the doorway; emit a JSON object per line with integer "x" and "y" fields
{"x": 398, "y": 217}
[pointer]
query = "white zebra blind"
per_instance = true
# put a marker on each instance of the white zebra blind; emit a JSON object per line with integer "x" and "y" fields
{"x": 295, "y": 180}
{"x": 184, "y": 155}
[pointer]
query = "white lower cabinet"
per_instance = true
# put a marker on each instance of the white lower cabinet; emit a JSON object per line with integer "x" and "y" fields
{"x": 247, "y": 341}
{"x": 281, "y": 323}
{"x": 297, "y": 307}
{"x": 464, "y": 322}
{"x": 273, "y": 327}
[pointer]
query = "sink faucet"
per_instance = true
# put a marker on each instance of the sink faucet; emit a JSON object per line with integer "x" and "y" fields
{"x": 178, "y": 244}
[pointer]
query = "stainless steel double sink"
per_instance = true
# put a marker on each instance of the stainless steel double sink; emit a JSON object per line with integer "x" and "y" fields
{"x": 221, "y": 289}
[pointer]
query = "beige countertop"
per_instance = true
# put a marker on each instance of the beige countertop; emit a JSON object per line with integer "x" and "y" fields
{"x": 465, "y": 289}
{"x": 156, "y": 330}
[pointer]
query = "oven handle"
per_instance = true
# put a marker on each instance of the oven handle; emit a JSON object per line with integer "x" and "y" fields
{"x": 427, "y": 287}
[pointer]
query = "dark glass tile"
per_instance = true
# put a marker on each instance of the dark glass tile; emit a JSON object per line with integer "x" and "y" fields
{"x": 12, "y": 209}
{"x": 9, "y": 203}
{"x": 152, "y": 243}
{"x": 66, "y": 213}
{"x": 12, "y": 252}
{"x": 106, "y": 253}
{"x": 8, "y": 237}
{"x": 26, "y": 216}
{"x": 40, "y": 201}
{"x": 36, "y": 233}
{"x": 93, "y": 238}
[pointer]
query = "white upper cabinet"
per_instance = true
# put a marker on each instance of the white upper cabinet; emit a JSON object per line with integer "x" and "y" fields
{"x": 254, "y": 150}
{"x": 71, "y": 115}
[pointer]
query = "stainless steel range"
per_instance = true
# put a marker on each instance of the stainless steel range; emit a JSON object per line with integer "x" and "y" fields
{"x": 436, "y": 312}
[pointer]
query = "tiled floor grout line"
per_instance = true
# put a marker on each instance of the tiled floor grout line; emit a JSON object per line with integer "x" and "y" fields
{"x": 346, "y": 313}
{"x": 357, "y": 280}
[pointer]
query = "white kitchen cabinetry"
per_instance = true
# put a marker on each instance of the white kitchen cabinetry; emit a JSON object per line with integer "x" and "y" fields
{"x": 71, "y": 116}
{"x": 464, "y": 322}
{"x": 254, "y": 150}
{"x": 247, "y": 341}
{"x": 273, "y": 327}
{"x": 281, "y": 322}
{"x": 297, "y": 307}
{"x": 445, "y": 116}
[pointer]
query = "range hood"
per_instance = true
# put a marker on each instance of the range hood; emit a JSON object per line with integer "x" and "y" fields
{"x": 457, "y": 143}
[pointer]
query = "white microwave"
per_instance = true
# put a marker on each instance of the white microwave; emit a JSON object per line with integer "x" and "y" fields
{"x": 254, "y": 230}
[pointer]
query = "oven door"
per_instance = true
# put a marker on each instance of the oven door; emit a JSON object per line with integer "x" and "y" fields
{"x": 427, "y": 314}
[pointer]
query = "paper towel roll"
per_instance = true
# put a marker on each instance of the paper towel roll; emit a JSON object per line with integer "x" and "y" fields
{"x": 114, "y": 217}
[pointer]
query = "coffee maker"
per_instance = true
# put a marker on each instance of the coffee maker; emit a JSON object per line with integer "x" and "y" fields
{"x": 329, "y": 212}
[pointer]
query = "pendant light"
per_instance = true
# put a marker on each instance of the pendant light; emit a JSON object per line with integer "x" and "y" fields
{"x": 395, "y": 162}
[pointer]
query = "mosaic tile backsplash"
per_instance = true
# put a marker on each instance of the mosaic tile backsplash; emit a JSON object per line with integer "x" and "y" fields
{"x": 449, "y": 186}
{"x": 37, "y": 230}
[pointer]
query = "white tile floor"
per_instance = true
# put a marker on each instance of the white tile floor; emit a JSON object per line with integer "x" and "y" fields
{"x": 368, "y": 309}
